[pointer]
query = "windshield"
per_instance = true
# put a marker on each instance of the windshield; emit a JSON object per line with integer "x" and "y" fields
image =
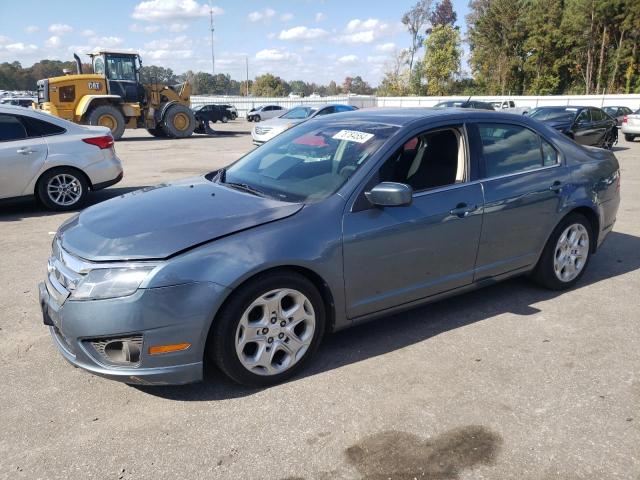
{"x": 450, "y": 104}
{"x": 299, "y": 113}
{"x": 309, "y": 162}
{"x": 611, "y": 110}
{"x": 554, "y": 114}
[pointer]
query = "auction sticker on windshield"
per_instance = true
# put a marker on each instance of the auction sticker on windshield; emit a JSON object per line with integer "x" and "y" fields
{"x": 353, "y": 136}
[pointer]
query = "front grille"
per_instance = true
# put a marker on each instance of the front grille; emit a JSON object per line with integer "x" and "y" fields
{"x": 262, "y": 130}
{"x": 63, "y": 272}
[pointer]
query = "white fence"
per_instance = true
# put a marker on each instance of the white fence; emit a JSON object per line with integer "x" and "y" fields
{"x": 244, "y": 104}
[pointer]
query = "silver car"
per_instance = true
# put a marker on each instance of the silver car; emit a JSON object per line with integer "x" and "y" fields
{"x": 631, "y": 126}
{"x": 56, "y": 161}
{"x": 269, "y": 129}
{"x": 264, "y": 112}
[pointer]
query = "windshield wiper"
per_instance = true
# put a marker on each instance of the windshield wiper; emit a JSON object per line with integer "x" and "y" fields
{"x": 246, "y": 188}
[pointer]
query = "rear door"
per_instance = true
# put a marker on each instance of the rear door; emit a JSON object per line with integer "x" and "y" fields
{"x": 21, "y": 156}
{"x": 522, "y": 178}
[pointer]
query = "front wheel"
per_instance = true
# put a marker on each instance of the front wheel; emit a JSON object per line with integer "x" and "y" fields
{"x": 566, "y": 254}
{"x": 179, "y": 122}
{"x": 257, "y": 118}
{"x": 108, "y": 116}
{"x": 629, "y": 138}
{"x": 62, "y": 189}
{"x": 268, "y": 329}
{"x": 225, "y": 119}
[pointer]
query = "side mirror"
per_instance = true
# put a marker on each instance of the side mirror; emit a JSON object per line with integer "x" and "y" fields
{"x": 390, "y": 194}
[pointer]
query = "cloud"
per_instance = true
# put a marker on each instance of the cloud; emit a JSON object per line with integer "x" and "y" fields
{"x": 171, "y": 10}
{"x": 31, "y": 29}
{"x": 53, "y": 42}
{"x": 286, "y": 17}
{"x": 107, "y": 42}
{"x": 265, "y": 15}
{"x": 88, "y": 33}
{"x": 143, "y": 28}
{"x": 366, "y": 31}
{"x": 348, "y": 59}
{"x": 4, "y": 40}
{"x": 320, "y": 17}
{"x": 178, "y": 27}
{"x": 385, "y": 47}
{"x": 302, "y": 33}
{"x": 276, "y": 54}
{"x": 60, "y": 29}
{"x": 18, "y": 48}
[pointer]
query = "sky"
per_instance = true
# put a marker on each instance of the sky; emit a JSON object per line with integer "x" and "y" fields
{"x": 310, "y": 40}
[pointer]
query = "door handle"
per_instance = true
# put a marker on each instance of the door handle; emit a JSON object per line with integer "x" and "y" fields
{"x": 25, "y": 151}
{"x": 462, "y": 210}
{"x": 556, "y": 186}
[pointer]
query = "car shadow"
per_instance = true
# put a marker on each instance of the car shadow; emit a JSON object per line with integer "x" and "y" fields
{"x": 19, "y": 209}
{"x": 619, "y": 255}
{"x": 619, "y": 149}
{"x": 216, "y": 133}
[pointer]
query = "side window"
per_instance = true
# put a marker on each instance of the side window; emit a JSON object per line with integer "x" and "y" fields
{"x": 11, "y": 128}
{"x": 68, "y": 93}
{"x": 584, "y": 116}
{"x": 509, "y": 149}
{"x": 40, "y": 128}
{"x": 325, "y": 111}
{"x": 267, "y": 109}
{"x": 430, "y": 160}
{"x": 549, "y": 154}
{"x": 596, "y": 115}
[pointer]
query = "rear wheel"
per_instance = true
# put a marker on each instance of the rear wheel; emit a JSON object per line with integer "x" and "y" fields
{"x": 179, "y": 122}
{"x": 225, "y": 119}
{"x": 268, "y": 329}
{"x": 629, "y": 138}
{"x": 62, "y": 189}
{"x": 566, "y": 255}
{"x": 108, "y": 116}
{"x": 256, "y": 118}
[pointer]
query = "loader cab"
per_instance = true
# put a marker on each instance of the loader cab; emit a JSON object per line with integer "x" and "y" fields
{"x": 122, "y": 71}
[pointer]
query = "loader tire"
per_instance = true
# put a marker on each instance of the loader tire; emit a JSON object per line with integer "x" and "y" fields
{"x": 108, "y": 116}
{"x": 157, "y": 132}
{"x": 179, "y": 122}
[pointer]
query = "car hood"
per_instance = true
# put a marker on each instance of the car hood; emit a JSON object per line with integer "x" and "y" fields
{"x": 157, "y": 222}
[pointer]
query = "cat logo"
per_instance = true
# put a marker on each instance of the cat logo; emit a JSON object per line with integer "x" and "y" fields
{"x": 94, "y": 85}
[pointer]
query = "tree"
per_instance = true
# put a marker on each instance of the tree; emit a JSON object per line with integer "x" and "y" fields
{"x": 396, "y": 78}
{"x": 360, "y": 87}
{"x": 443, "y": 14}
{"x": 442, "y": 59}
{"x": 268, "y": 85}
{"x": 415, "y": 21}
{"x": 333, "y": 89}
{"x": 155, "y": 74}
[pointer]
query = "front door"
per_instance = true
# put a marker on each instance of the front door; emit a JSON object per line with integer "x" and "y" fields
{"x": 396, "y": 255}
{"x": 21, "y": 157}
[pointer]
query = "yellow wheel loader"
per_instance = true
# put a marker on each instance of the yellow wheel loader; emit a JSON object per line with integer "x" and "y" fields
{"x": 114, "y": 97}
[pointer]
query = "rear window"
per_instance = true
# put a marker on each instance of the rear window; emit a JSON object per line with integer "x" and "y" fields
{"x": 40, "y": 128}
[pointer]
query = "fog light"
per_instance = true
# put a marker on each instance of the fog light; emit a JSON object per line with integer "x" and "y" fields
{"x": 118, "y": 350}
{"x": 176, "y": 347}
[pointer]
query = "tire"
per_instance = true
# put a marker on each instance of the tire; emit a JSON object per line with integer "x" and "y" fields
{"x": 610, "y": 138}
{"x": 179, "y": 122}
{"x": 108, "y": 116}
{"x": 629, "y": 138}
{"x": 157, "y": 132}
{"x": 225, "y": 119}
{"x": 74, "y": 183}
{"x": 249, "y": 119}
{"x": 545, "y": 271}
{"x": 257, "y": 118}
{"x": 234, "y": 116}
{"x": 293, "y": 341}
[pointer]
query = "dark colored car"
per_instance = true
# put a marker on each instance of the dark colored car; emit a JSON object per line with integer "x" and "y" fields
{"x": 589, "y": 126}
{"x": 339, "y": 220}
{"x": 465, "y": 104}
{"x": 210, "y": 113}
{"x": 618, "y": 113}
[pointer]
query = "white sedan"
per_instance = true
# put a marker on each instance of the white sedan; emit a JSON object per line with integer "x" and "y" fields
{"x": 631, "y": 126}
{"x": 52, "y": 159}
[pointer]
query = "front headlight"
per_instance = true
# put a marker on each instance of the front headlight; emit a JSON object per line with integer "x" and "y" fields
{"x": 110, "y": 283}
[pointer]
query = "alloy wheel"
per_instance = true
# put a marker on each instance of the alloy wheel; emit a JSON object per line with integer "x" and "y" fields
{"x": 571, "y": 252}
{"x": 275, "y": 331}
{"x": 64, "y": 189}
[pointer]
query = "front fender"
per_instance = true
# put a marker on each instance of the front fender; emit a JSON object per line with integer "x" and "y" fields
{"x": 85, "y": 103}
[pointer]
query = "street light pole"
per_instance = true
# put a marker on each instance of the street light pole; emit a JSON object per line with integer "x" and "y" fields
{"x": 213, "y": 58}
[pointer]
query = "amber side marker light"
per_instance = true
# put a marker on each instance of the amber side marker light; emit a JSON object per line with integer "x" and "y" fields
{"x": 176, "y": 347}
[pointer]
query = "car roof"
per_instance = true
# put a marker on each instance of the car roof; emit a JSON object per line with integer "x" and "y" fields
{"x": 405, "y": 116}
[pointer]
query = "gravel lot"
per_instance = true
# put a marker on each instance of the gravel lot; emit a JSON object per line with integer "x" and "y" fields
{"x": 509, "y": 382}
